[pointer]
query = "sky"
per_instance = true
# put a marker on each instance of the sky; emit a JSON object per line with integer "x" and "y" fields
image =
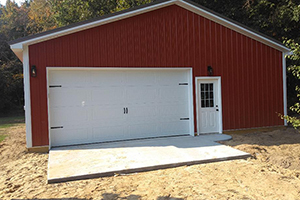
{"x": 17, "y": 1}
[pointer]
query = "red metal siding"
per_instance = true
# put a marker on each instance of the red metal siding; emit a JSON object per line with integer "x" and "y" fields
{"x": 170, "y": 37}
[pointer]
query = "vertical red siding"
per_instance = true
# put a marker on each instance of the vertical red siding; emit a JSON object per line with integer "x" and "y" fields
{"x": 170, "y": 37}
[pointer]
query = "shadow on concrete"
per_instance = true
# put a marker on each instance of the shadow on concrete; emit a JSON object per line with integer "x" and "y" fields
{"x": 178, "y": 141}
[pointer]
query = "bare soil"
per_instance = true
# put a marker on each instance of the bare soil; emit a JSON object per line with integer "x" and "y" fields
{"x": 272, "y": 173}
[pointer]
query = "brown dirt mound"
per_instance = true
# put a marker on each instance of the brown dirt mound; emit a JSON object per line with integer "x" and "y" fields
{"x": 279, "y": 148}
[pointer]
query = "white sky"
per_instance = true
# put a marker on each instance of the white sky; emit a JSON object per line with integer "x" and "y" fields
{"x": 17, "y": 1}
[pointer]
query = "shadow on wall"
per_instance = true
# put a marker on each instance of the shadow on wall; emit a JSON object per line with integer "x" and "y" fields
{"x": 110, "y": 196}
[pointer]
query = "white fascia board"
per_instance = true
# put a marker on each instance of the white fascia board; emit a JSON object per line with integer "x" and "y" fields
{"x": 95, "y": 23}
{"x": 18, "y": 50}
{"x": 231, "y": 25}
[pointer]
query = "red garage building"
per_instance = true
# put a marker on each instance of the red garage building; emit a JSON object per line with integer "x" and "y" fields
{"x": 167, "y": 68}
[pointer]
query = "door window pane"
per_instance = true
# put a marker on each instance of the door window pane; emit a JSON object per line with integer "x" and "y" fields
{"x": 207, "y": 95}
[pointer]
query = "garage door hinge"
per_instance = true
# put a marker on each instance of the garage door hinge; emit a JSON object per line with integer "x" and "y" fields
{"x": 54, "y": 86}
{"x": 183, "y": 84}
{"x": 184, "y": 118}
{"x": 57, "y": 127}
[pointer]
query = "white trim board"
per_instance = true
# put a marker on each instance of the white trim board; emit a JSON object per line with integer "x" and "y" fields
{"x": 190, "y": 83}
{"x": 218, "y": 79}
{"x": 17, "y": 47}
{"x": 27, "y": 100}
{"x": 284, "y": 87}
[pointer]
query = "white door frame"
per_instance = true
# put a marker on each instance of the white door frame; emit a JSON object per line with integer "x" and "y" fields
{"x": 218, "y": 79}
{"x": 190, "y": 83}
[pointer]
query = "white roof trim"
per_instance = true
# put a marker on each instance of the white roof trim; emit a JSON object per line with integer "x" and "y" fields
{"x": 17, "y": 47}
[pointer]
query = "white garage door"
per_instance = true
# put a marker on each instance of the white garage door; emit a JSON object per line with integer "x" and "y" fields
{"x": 87, "y": 106}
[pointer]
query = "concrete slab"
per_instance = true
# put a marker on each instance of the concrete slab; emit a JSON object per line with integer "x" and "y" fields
{"x": 107, "y": 159}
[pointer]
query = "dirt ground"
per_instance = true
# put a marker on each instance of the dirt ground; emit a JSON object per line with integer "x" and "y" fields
{"x": 272, "y": 173}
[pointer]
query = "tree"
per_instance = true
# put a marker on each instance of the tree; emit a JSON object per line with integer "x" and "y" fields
{"x": 40, "y": 16}
{"x": 13, "y": 21}
{"x": 71, "y": 11}
{"x": 294, "y": 69}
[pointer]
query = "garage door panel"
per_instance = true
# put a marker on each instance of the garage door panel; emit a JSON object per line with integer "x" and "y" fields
{"x": 107, "y": 133}
{"x": 67, "y": 136}
{"x": 178, "y": 110}
{"x": 107, "y": 96}
{"x": 92, "y": 108}
{"x": 68, "y": 97}
{"x": 107, "y": 112}
{"x": 140, "y": 78}
{"x": 108, "y": 78}
{"x": 141, "y": 95}
{"x": 172, "y": 77}
{"x": 142, "y": 110}
{"x": 173, "y": 94}
{"x": 65, "y": 116}
{"x": 175, "y": 127}
{"x": 142, "y": 130}
{"x": 66, "y": 78}
{"x": 120, "y": 121}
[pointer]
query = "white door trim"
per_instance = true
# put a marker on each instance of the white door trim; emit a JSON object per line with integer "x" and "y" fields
{"x": 190, "y": 83}
{"x": 218, "y": 79}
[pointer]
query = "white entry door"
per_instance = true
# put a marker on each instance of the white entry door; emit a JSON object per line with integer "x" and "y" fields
{"x": 209, "y": 106}
{"x": 98, "y": 105}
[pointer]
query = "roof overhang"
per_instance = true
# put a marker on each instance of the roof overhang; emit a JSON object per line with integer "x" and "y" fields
{"x": 18, "y": 45}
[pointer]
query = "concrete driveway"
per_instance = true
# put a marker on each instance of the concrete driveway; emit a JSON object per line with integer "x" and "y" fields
{"x": 107, "y": 159}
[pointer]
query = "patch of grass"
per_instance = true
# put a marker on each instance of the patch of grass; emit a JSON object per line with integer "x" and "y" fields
{"x": 9, "y": 121}
{"x": 2, "y": 137}
{"x": 6, "y": 122}
{"x": 6, "y": 125}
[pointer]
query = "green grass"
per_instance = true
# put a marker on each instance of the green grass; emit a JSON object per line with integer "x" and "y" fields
{"x": 2, "y": 137}
{"x": 7, "y": 122}
{"x": 11, "y": 120}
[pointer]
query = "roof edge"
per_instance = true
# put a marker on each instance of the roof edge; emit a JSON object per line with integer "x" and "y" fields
{"x": 83, "y": 25}
{"x": 187, "y": 4}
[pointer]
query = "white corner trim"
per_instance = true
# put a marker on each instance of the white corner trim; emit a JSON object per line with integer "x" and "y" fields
{"x": 284, "y": 87}
{"x": 231, "y": 25}
{"x": 217, "y": 78}
{"x": 26, "y": 77}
